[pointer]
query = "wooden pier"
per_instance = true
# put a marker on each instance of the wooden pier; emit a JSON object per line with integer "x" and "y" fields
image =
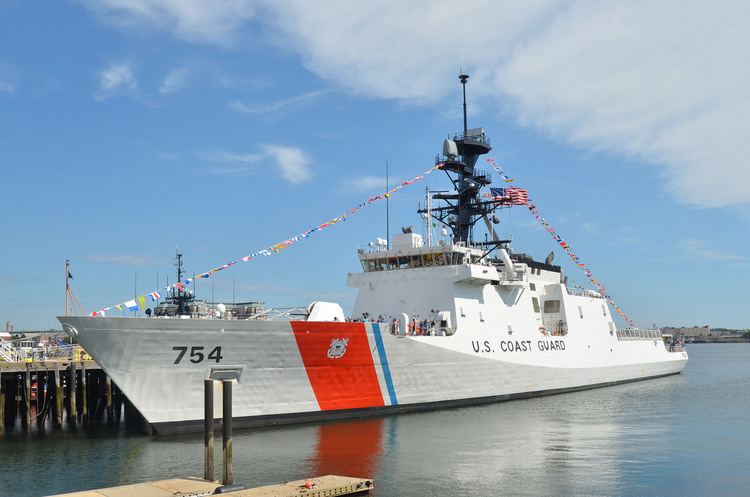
{"x": 323, "y": 486}
{"x": 56, "y": 391}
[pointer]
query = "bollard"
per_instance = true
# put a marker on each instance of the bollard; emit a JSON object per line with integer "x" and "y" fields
{"x": 227, "y": 431}
{"x": 208, "y": 430}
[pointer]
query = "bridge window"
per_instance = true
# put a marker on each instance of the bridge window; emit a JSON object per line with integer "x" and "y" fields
{"x": 532, "y": 287}
{"x": 535, "y": 303}
{"x": 551, "y": 306}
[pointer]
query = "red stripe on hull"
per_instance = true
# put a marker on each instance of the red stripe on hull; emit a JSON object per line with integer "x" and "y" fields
{"x": 347, "y": 380}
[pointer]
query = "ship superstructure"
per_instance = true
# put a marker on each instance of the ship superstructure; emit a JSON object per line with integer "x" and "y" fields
{"x": 451, "y": 320}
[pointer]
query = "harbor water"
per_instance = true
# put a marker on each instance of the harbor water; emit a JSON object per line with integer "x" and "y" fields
{"x": 681, "y": 436}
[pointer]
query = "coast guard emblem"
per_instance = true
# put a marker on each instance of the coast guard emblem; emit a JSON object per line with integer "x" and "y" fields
{"x": 337, "y": 348}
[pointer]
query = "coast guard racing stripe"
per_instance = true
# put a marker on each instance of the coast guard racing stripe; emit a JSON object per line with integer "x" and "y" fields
{"x": 339, "y": 364}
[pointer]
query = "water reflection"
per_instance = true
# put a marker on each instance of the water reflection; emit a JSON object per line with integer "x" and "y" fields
{"x": 676, "y": 436}
{"x": 350, "y": 448}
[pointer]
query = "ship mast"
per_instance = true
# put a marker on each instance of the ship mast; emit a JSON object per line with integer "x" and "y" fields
{"x": 180, "y": 297}
{"x": 463, "y": 206}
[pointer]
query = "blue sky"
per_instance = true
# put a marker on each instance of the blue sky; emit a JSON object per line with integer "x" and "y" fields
{"x": 131, "y": 127}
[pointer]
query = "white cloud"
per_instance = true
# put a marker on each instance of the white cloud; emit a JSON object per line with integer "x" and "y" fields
{"x": 115, "y": 79}
{"x": 7, "y": 87}
{"x": 174, "y": 81}
{"x": 275, "y": 107}
{"x": 291, "y": 162}
{"x": 665, "y": 82}
{"x": 200, "y": 21}
{"x": 366, "y": 184}
{"x": 699, "y": 249}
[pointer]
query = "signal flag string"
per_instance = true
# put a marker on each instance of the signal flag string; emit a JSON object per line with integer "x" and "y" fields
{"x": 140, "y": 300}
{"x": 521, "y": 200}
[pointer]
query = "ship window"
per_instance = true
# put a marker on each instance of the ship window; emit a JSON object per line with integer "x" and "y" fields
{"x": 604, "y": 310}
{"x": 481, "y": 317}
{"x": 463, "y": 315}
{"x": 580, "y": 311}
{"x": 551, "y": 306}
{"x": 535, "y": 302}
{"x": 510, "y": 330}
{"x": 611, "y": 327}
{"x": 532, "y": 287}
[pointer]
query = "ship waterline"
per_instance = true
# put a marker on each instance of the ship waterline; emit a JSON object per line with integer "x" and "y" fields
{"x": 296, "y": 371}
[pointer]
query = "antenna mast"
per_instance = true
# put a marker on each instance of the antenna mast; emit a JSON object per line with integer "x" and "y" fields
{"x": 463, "y": 78}
{"x": 463, "y": 206}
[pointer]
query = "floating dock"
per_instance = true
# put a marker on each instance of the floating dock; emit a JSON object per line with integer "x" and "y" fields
{"x": 323, "y": 486}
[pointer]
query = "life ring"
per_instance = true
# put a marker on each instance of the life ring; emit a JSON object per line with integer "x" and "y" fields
{"x": 543, "y": 330}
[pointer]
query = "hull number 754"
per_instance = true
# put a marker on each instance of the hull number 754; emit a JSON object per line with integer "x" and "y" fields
{"x": 196, "y": 354}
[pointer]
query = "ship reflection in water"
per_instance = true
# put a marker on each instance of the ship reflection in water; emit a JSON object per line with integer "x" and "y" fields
{"x": 349, "y": 448}
{"x": 675, "y": 436}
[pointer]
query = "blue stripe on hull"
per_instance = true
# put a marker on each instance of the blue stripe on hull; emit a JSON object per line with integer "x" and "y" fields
{"x": 384, "y": 363}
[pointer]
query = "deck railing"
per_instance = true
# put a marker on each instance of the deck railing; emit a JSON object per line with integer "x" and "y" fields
{"x": 637, "y": 334}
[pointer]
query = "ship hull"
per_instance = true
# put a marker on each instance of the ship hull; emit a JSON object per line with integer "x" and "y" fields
{"x": 302, "y": 371}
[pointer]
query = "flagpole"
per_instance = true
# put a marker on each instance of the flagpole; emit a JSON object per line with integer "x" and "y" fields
{"x": 387, "y": 211}
{"x": 67, "y": 284}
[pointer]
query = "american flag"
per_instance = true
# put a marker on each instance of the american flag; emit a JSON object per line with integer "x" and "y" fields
{"x": 511, "y": 195}
{"x": 518, "y": 196}
{"x": 498, "y": 194}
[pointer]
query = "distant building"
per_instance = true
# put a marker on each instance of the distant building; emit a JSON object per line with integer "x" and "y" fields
{"x": 688, "y": 331}
{"x": 8, "y": 331}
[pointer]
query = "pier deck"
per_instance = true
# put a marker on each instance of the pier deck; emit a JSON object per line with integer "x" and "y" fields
{"x": 328, "y": 486}
{"x": 22, "y": 366}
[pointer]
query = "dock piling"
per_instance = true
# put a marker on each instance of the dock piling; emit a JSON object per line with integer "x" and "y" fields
{"x": 208, "y": 430}
{"x": 27, "y": 398}
{"x": 58, "y": 396}
{"x": 228, "y": 478}
{"x": 73, "y": 405}
{"x": 2, "y": 407}
{"x": 110, "y": 410}
{"x": 84, "y": 394}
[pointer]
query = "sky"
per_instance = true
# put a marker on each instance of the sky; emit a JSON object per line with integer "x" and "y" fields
{"x": 131, "y": 128}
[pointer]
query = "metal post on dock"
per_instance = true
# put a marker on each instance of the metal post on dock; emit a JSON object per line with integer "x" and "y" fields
{"x": 208, "y": 430}
{"x": 73, "y": 406}
{"x": 58, "y": 396}
{"x": 27, "y": 397}
{"x": 227, "y": 431}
